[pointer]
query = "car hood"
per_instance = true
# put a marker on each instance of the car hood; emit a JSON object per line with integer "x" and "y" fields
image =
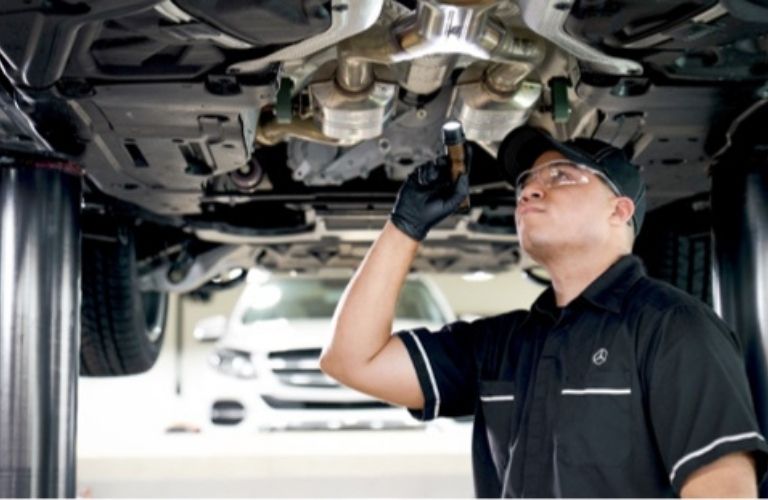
{"x": 283, "y": 334}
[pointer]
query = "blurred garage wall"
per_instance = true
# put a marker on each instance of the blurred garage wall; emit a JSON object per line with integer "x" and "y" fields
{"x": 503, "y": 292}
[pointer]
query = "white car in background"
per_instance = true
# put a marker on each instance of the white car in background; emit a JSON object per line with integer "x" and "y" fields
{"x": 272, "y": 341}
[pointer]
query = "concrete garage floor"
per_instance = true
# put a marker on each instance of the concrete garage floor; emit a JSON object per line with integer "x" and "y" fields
{"x": 418, "y": 463}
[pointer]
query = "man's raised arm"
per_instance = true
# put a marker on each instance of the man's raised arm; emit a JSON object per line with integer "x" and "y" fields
{"x": 363, "y": 354}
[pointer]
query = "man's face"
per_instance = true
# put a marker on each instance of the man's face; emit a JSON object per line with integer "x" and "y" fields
{"x": 563, "y": 216}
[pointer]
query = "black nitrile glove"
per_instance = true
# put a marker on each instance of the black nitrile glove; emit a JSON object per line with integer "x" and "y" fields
{"x": 428, "y": 196}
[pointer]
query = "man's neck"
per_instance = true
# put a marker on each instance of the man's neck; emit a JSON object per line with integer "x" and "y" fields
{"x": 572, "y": 274}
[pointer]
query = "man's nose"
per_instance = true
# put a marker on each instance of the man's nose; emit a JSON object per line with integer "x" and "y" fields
{"x": 531, "y": 191}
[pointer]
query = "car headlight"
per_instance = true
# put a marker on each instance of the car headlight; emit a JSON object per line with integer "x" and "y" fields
{"x": 233, "y": 363}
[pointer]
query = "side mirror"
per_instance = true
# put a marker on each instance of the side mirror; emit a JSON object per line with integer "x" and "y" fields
{"x": 210, "y": 329}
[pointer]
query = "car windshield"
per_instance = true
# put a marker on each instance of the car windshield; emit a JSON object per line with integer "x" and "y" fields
{"x": 286, "y": 298}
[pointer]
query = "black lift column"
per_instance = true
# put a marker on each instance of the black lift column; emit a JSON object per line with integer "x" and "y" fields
{"x": 39, "y": 324}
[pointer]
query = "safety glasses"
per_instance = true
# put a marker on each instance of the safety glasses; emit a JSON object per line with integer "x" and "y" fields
{"x": 558, "y": 173}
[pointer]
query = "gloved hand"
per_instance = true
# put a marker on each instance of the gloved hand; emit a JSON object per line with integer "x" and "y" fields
{"x": 427, "y": 197}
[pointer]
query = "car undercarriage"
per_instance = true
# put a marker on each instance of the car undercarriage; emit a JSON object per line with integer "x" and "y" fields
{"x": 288, "y": 126}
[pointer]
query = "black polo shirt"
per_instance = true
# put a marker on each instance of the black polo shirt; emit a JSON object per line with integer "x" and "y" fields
{"x": 624, "y": 392}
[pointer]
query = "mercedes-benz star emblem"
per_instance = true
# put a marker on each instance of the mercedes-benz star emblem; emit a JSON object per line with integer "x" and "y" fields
{"x": 600, "y": 356}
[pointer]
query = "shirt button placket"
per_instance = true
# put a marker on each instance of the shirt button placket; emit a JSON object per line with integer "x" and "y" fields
{"x": 538, "y": 451}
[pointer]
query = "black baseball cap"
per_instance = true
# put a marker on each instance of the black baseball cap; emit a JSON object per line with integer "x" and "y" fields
{"x": 521, "y": 147}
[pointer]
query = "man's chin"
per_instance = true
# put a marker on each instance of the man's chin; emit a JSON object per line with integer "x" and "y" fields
{"x": 532, "y": 247}
{"x": 538, "y": 246}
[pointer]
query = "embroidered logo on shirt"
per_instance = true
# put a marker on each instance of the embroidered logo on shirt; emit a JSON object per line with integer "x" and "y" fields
{"x": 600, "y": 356}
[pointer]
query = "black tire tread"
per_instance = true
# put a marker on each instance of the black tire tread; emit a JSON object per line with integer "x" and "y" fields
{"x": 113, "y": 338}
{"x": 675, "y": 245}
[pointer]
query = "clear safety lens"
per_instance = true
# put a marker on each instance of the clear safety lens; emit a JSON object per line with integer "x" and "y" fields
{"x": 558, "y": 173}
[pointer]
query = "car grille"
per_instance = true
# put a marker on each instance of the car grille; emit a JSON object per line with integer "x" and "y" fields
{"x": 285, "y": 404}
{"x": 300, "y": 368}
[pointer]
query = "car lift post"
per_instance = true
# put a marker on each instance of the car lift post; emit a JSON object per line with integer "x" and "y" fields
{"x": 39, "y": 324}
{"x": 740, "y": 258}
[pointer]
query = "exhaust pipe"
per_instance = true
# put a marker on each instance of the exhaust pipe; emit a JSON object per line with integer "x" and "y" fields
{"x": 428, "y": 44}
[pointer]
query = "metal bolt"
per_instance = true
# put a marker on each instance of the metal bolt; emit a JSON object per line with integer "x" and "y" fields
{"x": 176, "y": 275}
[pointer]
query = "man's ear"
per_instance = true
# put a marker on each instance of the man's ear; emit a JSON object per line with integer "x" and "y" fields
{"x": 623, "y": 210}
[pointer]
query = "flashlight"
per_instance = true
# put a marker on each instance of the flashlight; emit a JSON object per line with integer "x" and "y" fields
{"x": 453, "y": 140}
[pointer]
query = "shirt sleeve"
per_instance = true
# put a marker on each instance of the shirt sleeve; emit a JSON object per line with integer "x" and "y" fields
{"x": 698, "y": 395}
{"x": 446, "y": 364}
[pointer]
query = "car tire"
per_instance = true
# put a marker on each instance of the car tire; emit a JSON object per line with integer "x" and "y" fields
{"x": 122, "y": 328}
{"x": 675, "y": 245}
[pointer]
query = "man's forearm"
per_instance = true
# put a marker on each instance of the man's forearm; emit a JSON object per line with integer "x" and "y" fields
{"x": 362, "y": 324}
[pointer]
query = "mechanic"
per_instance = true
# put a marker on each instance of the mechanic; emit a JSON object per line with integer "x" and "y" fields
{"x": 613, "y": 384}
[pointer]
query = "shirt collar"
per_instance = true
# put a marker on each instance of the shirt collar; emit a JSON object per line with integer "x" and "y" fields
{"x": 546, "y": 304}
{"x": 608, "y": 291}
